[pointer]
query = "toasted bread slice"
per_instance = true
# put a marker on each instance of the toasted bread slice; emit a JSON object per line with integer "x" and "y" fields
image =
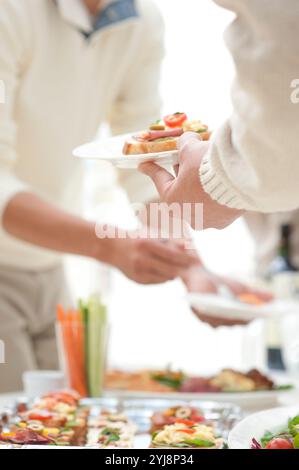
{"x": 134, "y": 147}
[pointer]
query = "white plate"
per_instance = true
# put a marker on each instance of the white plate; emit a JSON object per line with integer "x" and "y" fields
{"x": 111, "y": 150}
{"x": 255, "y": 426}
{"x": 246, "y": 400}
{"x": 215, "y": 305}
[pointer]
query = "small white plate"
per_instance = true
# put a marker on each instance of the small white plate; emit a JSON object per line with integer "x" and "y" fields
{"x": 255, "y": 426}
{"x": 218, "y": 306}
{"x": 111, "y": 150}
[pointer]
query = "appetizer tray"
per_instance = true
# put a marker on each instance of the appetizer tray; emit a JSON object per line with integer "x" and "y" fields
{"x": 252, "y": 390}
{"x": 248, "y": 401}
{"x": 259, "y": 429}
{"x": 133, "y": 419}
{"x": 111, "y": 150}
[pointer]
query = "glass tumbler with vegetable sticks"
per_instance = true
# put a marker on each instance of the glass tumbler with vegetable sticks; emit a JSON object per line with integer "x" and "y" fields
{"x": 82, "y": 344}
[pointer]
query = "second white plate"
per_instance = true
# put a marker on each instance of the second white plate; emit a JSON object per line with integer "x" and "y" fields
{"x": 111, "y": 150}
{"x": 230, "y": 309}
{"x": 255, "y": 426}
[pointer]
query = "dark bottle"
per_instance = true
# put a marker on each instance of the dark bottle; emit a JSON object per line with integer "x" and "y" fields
{"x": 283, "y": 261}
{"x": 280, "y": 265}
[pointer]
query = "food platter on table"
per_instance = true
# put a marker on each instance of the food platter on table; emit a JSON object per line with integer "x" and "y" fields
{"x": 251, "y": 390}
{"x": 62, "y": 420}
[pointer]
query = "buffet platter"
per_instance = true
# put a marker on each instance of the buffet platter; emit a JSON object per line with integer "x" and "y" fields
{"x": 250, "y": 390}
{"x": 114, "y": 423}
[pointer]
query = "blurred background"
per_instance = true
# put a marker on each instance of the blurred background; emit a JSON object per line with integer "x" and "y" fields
{"x": 153, "y": 326}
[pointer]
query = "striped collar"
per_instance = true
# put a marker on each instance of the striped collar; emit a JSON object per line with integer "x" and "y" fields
{"x": 114, "y": 11}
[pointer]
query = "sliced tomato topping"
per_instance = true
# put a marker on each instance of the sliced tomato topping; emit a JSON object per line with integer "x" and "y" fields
{"x": 187, "y": 431}
{"x": 175, "y": 120}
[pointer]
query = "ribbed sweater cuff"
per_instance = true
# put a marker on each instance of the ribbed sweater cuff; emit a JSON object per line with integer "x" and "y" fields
{"x": 216, "y": 184}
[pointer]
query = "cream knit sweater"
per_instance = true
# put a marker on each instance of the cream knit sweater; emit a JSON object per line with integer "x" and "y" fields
{"x": 254, "y": 160}
{"x": 59, "y": 88}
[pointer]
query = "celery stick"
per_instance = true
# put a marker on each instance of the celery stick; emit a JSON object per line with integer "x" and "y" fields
{"x": 97, "y": 319}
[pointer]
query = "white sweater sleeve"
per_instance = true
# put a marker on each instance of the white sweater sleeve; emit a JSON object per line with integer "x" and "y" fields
{"x": 253, "y": 162}
{"x": 139, "y": 103}
{"x": 12, "y": 56}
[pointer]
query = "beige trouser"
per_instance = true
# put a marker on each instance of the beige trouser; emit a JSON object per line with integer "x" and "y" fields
{"x": 28, "y": 303}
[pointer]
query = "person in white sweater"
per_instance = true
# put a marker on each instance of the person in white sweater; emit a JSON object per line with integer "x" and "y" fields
{"x": 252, "y": 161}
{"x": 66, "y": 66}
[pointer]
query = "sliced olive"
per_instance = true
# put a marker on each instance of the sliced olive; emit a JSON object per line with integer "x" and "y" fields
{"x": 183, "y": 413}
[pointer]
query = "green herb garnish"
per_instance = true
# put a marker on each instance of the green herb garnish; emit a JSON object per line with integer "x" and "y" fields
{"x": 111, "y": 434}
{"x": 294, "y": 421}
{"x": 199, "y": 442}
{"x": 267, "y": 437}
{"x": 170, "y": 379}
{"x": 284, "y": 387}
{"x": 296, "y": 441}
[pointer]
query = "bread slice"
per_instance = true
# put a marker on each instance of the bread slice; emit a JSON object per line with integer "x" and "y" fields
{"x": 164, "y": 144}
{"x": 135, "y": 147}
{"x": 205, "y": 135}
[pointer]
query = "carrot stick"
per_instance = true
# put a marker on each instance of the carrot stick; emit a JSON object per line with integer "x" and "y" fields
{"x": 78, "y": 341}
{"x": 72, "y": 353}
{"x": 80, "y": 348}
{"x": 63, "y": 319}
{"x": 68, "y": 348}
{"x": 60, "y": 313}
